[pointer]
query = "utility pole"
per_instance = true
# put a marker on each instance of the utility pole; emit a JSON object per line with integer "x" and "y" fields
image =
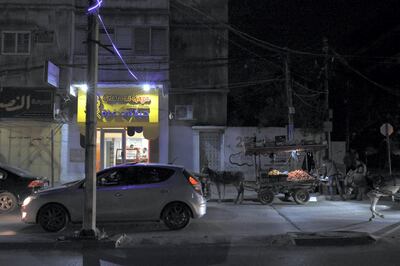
{"x": 289, "y": 97}
{"x": 89, "y": 229}
{"x": 327, "y": 115}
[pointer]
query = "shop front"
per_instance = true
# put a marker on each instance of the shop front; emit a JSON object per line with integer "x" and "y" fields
{"x": 29, "y": 132}
{"x": 127, "y": 125}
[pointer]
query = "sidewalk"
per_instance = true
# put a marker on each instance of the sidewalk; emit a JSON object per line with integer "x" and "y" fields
{"x": 225, "y": 223}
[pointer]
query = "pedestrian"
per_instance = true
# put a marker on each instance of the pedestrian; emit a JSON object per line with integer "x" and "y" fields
{"x": 349, "y": 160}
{"x": 330, "y": 171}
{"x": 360, "y": 178}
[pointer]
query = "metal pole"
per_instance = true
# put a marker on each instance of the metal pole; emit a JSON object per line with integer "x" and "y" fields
{"x": 89, "y": 212}
{"x": 52, "y": 156}
{"x": 326, "y": 86}
{"x": 388, "y": 148}
{"x": 289, "y": 96}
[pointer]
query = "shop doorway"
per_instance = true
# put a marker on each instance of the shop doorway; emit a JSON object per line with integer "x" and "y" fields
{"x": 117, "y": 147}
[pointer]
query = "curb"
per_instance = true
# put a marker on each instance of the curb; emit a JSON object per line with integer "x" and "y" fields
{"x": 332, "y": 238}
{"x": 57, "y": 244}
{"x": 386, "y": 230}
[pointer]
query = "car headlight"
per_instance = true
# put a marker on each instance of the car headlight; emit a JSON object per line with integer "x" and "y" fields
{"x": 28, "y": 200}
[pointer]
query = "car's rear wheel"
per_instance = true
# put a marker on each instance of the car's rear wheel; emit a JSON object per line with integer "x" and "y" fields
{"x": 8, "y": 202}
{"x": 176, "y": 215}
{"x": 53, "y": 218}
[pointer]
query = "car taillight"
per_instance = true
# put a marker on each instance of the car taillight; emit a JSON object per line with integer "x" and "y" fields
{"x": 36, "y": 183}
{"x": 195, "y": 184}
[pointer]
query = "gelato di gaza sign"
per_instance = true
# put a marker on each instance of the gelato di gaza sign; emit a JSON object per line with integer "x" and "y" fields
{"x": 123, "y": 107}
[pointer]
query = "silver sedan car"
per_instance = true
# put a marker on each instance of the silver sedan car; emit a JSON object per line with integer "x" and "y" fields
{"x": 130, "y": 192}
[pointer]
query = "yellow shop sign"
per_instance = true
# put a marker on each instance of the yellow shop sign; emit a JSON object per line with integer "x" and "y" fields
{"x": 122, "y": 107}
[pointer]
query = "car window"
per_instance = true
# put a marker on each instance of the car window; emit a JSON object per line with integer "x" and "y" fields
{"x": 129, "y": 176}
{"x": 112, "y": 177}
{"x": 149, "y": 175}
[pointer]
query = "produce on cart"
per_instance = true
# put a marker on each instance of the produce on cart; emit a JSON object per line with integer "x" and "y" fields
{"x": 298, "y": 176}
{"x": 297, "y": 184}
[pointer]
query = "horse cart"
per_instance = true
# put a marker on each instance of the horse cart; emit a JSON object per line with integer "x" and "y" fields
{"x": 268, "y": 184}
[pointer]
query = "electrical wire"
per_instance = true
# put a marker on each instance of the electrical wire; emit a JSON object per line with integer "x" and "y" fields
{"x": 307, "y": 89}
{"x": 233, "y": 42}
{"x": 393, "y": 91}
{"x": 270, "y": 46}
{"x": 223, "y": 86}
{"x": 304, "y": 102}
{"x": 261, "y": 43}
{"x": 116, "y": 49}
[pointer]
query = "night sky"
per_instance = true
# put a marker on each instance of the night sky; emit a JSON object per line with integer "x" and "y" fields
{"x": 366, "y": 33}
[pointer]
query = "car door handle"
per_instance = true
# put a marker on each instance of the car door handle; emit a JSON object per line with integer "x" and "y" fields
{"x": 118, "y": 195}
{"x": 163, "y": 191}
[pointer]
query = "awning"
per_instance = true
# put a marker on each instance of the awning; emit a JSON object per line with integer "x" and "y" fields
{"x": 150, "y": 131}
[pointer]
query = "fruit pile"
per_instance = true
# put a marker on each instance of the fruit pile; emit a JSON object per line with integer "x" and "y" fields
{"x": 299, "y": 175}
{"x": 274, "y": 172}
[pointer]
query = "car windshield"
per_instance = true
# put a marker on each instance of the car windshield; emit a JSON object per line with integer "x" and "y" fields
{"x": 17, "y": 171}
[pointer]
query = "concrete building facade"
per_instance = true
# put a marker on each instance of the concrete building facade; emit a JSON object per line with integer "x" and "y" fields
{"x": 174, "y": 111}
{"x": 199, "y": 82}
{"x": 32, "y": 111}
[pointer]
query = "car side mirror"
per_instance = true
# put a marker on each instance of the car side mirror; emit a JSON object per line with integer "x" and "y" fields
{"x": 2, "y": 176}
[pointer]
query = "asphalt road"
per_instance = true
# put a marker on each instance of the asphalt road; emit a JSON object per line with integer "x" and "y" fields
{"x": 376, "y": 254}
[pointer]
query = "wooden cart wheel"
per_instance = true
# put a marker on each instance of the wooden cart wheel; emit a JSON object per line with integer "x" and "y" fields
{"x": 266, "y": 196}
{"x": 301, "y": 196}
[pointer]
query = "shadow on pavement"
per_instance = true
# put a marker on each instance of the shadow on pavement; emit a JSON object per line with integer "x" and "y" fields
{"x": 188, "y": 255}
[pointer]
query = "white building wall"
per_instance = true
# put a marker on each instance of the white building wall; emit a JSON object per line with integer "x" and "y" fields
{"x": 234, "y": 158}
{"x": 181, "y": 146}
{"x": 185, "y": 147}
{"x": 73, "y": 158}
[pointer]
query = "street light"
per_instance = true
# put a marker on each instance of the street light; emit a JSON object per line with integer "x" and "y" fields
{"x": 146, "y": 87}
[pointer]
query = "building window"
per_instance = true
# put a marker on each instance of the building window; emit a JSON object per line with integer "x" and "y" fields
{"x": 142, "y": 41}
{"x": 16, "y": 42}
{"x": 124, "y": 38}
{"x": 158, "y": 41}
{"x": 150, "y": 41}
{"x": 103, "y": 38}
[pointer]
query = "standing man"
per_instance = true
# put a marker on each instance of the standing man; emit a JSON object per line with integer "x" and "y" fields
{"x": 360, "y": 178}
{"x": 331, "y": 172}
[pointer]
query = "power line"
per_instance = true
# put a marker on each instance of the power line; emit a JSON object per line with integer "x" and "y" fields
{"x": 307, "y": 89}
{"x": 270, "y": 46}
{"x": 231, "y": 41}
{"x": 225, "y": 85}
{"x": 264, "y": 44}
{"x": 394, "y": 91}
{"x": 115, "y": 47}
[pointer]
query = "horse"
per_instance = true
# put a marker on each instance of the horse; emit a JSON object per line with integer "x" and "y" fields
{"x": 383, "y": 187}
{"x": 225, "y": 178}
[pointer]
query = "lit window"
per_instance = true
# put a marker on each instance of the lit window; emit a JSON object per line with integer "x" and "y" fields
{"x": 16, "y": 42}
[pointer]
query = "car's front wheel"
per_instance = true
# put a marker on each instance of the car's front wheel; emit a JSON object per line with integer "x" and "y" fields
{"x": 176, "y": 215}
{"x": 8, "y": 202}
{"x": 53, "y": 217}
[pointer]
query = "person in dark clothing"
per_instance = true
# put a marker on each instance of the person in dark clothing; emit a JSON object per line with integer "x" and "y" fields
{"x": 308, "y": 162}
{"x": 349, "y": 160}
{"x": 360, "y": 179}
{"x": 331, "y": 172}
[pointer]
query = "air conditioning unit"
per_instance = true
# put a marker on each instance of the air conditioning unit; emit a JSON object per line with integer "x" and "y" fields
{"x": 183, "y": 112}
